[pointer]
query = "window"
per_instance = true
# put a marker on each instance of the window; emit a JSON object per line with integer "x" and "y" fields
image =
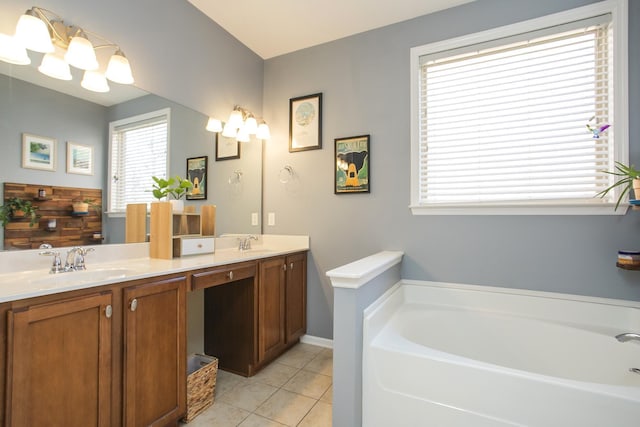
{"x": 500, "y": 117}
{"x": 138, "y": 151}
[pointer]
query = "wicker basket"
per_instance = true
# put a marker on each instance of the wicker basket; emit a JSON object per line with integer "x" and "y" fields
{"x": 201, "y": 384}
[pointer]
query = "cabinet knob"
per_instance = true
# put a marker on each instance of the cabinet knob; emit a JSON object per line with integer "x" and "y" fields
{"x": 133, "y": 305}
{"x": 291, "y": 266}
{"x": 284, "y": 267}
{"x": 108, "y": 311}
{"x": 230, "y": 275}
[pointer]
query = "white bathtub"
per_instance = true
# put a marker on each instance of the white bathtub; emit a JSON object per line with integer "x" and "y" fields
{"x": 454, "y": 355}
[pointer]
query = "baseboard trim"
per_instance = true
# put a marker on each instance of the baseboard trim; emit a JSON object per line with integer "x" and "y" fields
{"x": 320, "y": 342}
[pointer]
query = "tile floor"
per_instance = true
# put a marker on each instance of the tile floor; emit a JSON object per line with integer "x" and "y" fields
{"x": 294, "y": 390}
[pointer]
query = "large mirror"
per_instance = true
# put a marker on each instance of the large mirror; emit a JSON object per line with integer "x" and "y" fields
{"x": 36, "y": 104}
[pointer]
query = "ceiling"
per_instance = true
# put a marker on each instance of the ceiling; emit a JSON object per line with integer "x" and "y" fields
{"x": 275, "y": 27}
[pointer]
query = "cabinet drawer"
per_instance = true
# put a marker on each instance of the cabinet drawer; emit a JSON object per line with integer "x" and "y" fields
{"x": 184, "y": 246}
{"x": 221, "y": 276}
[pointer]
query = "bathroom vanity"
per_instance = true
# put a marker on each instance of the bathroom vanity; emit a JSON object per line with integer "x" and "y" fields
{"x": 111, "y": 350}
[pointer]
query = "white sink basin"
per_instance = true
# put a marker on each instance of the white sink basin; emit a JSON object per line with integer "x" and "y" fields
{"x": 256, "y": 251}
{"x": 85, "y": 276}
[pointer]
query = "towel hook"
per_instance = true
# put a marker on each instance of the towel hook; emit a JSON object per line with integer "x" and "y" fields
{"x": 286, "y": 174}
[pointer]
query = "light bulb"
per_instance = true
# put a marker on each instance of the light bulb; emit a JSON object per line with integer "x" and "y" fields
{"x": 94, "y": 81}
{"x": 235, "y": 119}
{"x": 32, "y": 33}
{"x": 243, "y": 135}
{"x": 53, "y": 65}
{"x": 251, "y": 125}
{"x": 80, "y": 53}
{"x": 214, "y": 125}
{"x": 119, "y": 70}
{"x": 229, "y": 131}
{"x": 263, "y": 131}
{"x": 12, "y": 51}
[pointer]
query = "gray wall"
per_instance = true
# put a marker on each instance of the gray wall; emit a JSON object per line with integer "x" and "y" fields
{"x": 365, "y": 82}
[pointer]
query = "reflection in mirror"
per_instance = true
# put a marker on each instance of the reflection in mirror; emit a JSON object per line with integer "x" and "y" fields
{"x": 28, "y": 107}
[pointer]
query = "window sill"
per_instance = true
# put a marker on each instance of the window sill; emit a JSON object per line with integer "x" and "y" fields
{"x": 523, "y": 209}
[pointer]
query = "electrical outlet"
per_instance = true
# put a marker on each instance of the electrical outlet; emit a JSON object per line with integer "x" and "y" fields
{"x": 254, "y": 218}
{"x": 272, "y": 218}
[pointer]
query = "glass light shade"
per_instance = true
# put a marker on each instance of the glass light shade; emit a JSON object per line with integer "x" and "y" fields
{"x": 251, "y": 125}
{"x": 119, "y": 70}
{"x": 214, "y": 125}
{"x": 12, "y": 51}
{"x": 80, "y": 53}
{"x": 263, "y": 132}
{"x": 53, "y": 65}
{"x": 94, "y": 81}
{"x": 235, "y": 119}
{"x": 229, "y": 131}
{"x": 33, "y": 34}
{"x": 243, "y": 135}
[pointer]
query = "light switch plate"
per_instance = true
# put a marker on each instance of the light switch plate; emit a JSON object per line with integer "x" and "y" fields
{"x": 254, "y": 218}
{"x": 271, "y": 220}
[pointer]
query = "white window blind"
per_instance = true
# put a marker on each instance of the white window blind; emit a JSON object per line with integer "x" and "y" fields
{"x": 504, "y": 122}
{"x": 139, "y": 148}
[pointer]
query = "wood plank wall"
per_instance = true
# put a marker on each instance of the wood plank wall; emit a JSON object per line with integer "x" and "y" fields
{"x": 71, "y": 230}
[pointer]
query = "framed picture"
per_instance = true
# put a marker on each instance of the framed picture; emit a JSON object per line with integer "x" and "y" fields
{"x": 227, "y": 148}
{"x": 38, "y": 152}
{"x": 352, "y": 165}
{"x": 79, "y": 159}
{"x": 197, "y": 175}
{"x": 305, "y": 123}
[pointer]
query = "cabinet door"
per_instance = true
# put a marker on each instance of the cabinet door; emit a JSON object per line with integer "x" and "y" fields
{"x": 271, "y": 312}
{"x": 59, "y": 363}
{"x": 296, "y": 297}
{"x": 155, "y": 352}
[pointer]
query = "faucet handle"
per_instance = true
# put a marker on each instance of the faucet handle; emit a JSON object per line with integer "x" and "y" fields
{"x": 79, "y": 259}
{"x": 56, "y": 266}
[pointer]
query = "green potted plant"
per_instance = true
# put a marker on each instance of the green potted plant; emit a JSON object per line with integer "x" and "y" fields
{"x": 15, "y": 207}
{"x": 630, "y": 181}
{"x": 175, "y": 186}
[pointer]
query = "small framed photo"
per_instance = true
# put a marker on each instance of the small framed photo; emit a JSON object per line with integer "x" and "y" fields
{"x": 197, "y": 175}
{"x": 353, "y": 159}
{"x": 227, "y": 148}
{"x": 79, "y": 159}
{"x": 305, "y": 123}
{"x": 38, "y": 152}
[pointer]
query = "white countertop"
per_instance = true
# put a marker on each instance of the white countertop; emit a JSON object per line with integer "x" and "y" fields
{"x": 25, "y": 274}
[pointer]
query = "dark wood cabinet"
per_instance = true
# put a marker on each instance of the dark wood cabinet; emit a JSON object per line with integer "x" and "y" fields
{"x": 296, "y": 297}
{"x": 253, "y": 311}
{"x": 59, "y": 357}
{"x": 271, "y": 308}
{"x": 111, "y": 356}
{"x": 154, "y": 352}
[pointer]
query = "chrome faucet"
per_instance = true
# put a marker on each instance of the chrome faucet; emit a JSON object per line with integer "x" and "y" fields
{"x": 244, "y": 243}
{"x": 75, "y": 259}
{"x": 629, "y": 336}
{"x": 56, "y": 266}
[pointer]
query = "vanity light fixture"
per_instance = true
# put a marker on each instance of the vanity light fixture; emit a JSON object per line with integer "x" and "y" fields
{"x": 41, "y": 30}
{"x": 241, "y": 125}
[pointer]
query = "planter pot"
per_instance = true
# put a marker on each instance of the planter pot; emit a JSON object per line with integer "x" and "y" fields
{"x": 636, "y": 189}
{"x": 177, "y": 206}
{"x": 80, "y": 207}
